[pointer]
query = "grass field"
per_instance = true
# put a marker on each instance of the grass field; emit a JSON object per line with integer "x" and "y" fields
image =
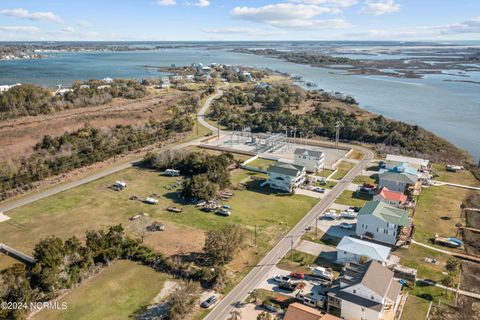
{"x": 343, "y": 168}
{"x": 364, "y": 179}
{"x": 261, "y": 164}
{"x": 116, "y": 293}
{"x": 94, "y": 205}
{"x": 301, "y": 261}
{"x": 6, "y": 261}
{"x": 415, "y": 308}
{"x": 356, "y": 154}
{"x": 353, "y": 198}
{"x": 202, "y": 132}
{"x": 321, "y": 237}
{"x": 325, "y": 173}
{"x": 244, "y": 176}
{"x": 464, "y": 177}
{"x": 437, "y": 211}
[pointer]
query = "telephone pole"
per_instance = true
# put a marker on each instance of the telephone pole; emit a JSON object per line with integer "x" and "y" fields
{"x": 337, "y": 133}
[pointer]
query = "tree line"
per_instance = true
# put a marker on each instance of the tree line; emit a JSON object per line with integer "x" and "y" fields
{"x": 207, "y": 174}
{"x": 32, "y": 100}
{"x": 271, "y": 109}
{"x": 64, "y": 264}
{"x": 88, "y": 145}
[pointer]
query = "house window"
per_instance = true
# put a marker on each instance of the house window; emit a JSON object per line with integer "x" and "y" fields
{"x": 372, "y": 297}
{"x": 354, "y": 291}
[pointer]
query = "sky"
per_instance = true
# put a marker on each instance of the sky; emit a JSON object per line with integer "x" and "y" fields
{"x": 207, "y": 20}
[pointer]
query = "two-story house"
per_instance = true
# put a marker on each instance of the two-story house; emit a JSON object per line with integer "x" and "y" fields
{"x": 285, "y": 176}
{"x": 352, "y": 250}
{"x": 381, "y": 222}
{"x": 397, "y": 181}
{"x": 365, "y": 292}
{"x": 312, "y": 160}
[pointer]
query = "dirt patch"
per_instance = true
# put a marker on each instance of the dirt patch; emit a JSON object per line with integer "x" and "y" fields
{"x": 470, "y": 277}
{"x": 176, "y": 240}
{"x": 243, "y": 259}
{"x": 467, "y": 309}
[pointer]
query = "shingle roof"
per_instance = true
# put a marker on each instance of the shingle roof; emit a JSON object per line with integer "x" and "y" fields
{"x": 387, "y": 194}
{"x": 366, "y": 303}
{"x": 399, "y": 177}
{"x": 385, "y": 212}
{"x": 364, "y": 248}
{"x": 285, "y": 168}
{"x": 377, "y": 278}
{"x": 298, "y": 311}
{"x": 308, "y": 152}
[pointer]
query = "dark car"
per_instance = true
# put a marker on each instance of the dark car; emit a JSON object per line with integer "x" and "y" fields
{"x": 287, "y": 286}
{"x": 297, "y": 275}
{"x": 210, "y": 301}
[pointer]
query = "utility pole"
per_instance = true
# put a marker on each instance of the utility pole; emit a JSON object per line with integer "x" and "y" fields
{"x": 291, "y": 249}
{"x": 337, "y": 133}
{"x": 294, "y": 134}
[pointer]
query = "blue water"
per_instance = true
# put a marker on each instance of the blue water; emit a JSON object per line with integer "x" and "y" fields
{"x": 449, "y": 109}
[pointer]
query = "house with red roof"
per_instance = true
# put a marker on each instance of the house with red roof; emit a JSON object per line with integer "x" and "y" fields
{"x": 393, "y": 198}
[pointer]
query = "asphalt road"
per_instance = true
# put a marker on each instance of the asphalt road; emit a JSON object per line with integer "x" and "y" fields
{"x": 262, "y": 269}
{"x": 10, "y": 205}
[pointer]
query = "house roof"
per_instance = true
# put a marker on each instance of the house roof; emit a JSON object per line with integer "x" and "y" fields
{"x": 377, "y": 278}
{"x": 399, "y": 177}
{"x": 364, "y": 248}
{"x": 410, "y": 160}
{"x": 385, "y": 212}
{"x": 298, "y": 311}
{"x": 405, "y": 167}
{"x": 344, "y": 295}
{"x": 286, "y": 169}
{"x": 308, "y": 152}
{"x": 387, "y": 194}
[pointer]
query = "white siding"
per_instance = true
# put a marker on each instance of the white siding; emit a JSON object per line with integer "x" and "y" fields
{"x": 382, "y": 231}
{"x": 311, "y": 164}
{"x": 352, "y": 311}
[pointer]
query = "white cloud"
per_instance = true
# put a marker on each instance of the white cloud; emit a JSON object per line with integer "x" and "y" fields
{"x": 202, "y": 3}
{"x": 21, "y": 29}
{"x": 246, "y": 31}
{"x": 338, "y": 3}
{"x": 36, "y": 16}
{"x": 377, "y": 8}
{"x": 167, "y": 2}
{"x": 291, "y": 15}
{"x": 68, "y": 29}
{"x": 84, "y": 24}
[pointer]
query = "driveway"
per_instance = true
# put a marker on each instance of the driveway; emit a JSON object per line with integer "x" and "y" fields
{"x": 331, "y": 227}
{"x": 313, "y": 248}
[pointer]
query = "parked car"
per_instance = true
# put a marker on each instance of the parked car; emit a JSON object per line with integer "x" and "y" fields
{"x": 331, "y": 215}
{"x": 345, "y": 225}
{"x": 322, "y": 273}
{"x": 369, "y": 185}
{"x": 224, "y": 212}
{"x": 281, "y": 279}
{"x": 318, "y": 189}
{"x": 356, "y": 209}
{"x": 297, "y": 275}
{"x": 209, "y": 302}
{"x": 287, "y": 286}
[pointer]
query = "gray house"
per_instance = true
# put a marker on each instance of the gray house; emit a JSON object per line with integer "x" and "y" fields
{"x": 285, "y": 176}
{"x": 396, "y": 181}
{"x": 312, "y": 160}
{"x": 381, "y": 222}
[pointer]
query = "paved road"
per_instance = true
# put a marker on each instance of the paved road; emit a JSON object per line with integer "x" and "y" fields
{"x": 119, "y": 167}
{"x": 260, "y": 272}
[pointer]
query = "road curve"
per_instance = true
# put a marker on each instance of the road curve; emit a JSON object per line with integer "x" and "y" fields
{"x": 263, "y": 268}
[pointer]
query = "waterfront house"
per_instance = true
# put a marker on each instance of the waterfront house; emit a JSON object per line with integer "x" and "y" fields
{"x": 312, "y": 160}
{"x": 365, "y": 292}
{"x": 398, "y": 181}
{"x": 419, "y": 164}
{"x": 394, "y": 198}
{"x": 285, "y": 176}
{"x": 352, "y": 250}
{"x": 382, "y": 222}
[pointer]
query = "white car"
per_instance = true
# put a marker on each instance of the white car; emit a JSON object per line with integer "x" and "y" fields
{"x": 281, "y": 279}
{"x": 151, "y": 201}
{"x": 321, "y": 272}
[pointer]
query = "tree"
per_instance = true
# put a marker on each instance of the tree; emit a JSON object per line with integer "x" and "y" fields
{"x": 447, "y": 281}
{"x": 182, "y": 301}
{"x": 235, "y": 315}
{"x": 199, "y": 186}
{"x": 222, "y": 244}
{"x": 453, "y": 264}
{"x": 264, "y": 316}
{"x": 140, "y": 225}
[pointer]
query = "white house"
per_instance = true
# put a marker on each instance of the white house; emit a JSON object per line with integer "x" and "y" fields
{"x": 312, "y": 160}
{"x": 419, "y": 164}
{"x": 285, "y": 176}
{"x": 381, "y": 222}
{"x": 107, "y": 80}
{"x": 352, "y": 249}
{"x": 366, "y": 292}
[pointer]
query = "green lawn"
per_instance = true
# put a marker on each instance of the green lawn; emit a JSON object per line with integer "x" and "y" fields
{"x": 324, "y": 173}
{"x": 261, "y": 164}
{"x": 356, "y": 154}
{"x": 244, "y": 176}
{"x": 301, "y": 261}
{"x": 353, "y": 198}
{"x": 415, "y": 308}
{"x": 321, "y": 237}
{"x": 202, "y": 132}
{"x": 437, "y": 211}
{"x": 431, "y": 293}
{"x": 115, "y": 294}
{"x": 464, "y": 177}
{"x": 364, "y": 179}
{"x": 343, "y": 168}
